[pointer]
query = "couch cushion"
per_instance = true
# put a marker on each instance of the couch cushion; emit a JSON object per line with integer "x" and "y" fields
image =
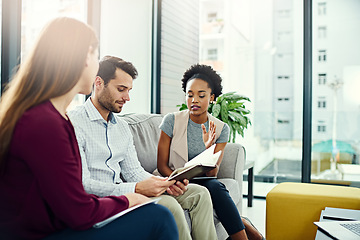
{"x": 146, "y": 133}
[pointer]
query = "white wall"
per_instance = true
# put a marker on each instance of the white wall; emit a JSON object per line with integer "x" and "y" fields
{"x": 125, "y": 32}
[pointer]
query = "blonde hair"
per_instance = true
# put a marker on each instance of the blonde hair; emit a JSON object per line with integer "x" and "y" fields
{"x": 52, "y": 69}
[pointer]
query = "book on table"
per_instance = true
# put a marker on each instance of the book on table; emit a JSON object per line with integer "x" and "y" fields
{"x": 198, "y": 166}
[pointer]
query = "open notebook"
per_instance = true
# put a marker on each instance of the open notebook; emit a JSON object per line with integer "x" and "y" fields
{"x": 197, "y": 166}
{"x": 112, "y": 218}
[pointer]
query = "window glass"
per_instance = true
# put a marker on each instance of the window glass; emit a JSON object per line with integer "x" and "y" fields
{"x": 336, "y": 83}
{"x": 322, "y": 78}
{"x": 322, "y": 56}
{"x": 36, "y": 13}
{"x": 321, "y": 8}
{"x": 322, "y": 32}
{"x": 259, "y": 55}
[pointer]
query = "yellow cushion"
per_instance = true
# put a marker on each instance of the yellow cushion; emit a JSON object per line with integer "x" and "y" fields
{"x": 291, "y": 208}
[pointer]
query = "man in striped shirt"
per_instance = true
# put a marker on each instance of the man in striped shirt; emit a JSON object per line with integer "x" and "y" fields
{"x": 107, "y": 151}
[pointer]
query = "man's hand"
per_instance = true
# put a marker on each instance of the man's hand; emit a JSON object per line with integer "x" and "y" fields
{"x": 178, "y": 188}
{"x": 136, "y": 198}
{"x": 209, "y": 137}
{"x": 153, "y": 186}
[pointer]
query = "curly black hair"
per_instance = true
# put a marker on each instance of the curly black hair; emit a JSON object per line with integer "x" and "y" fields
{"x": 206, "y": 73}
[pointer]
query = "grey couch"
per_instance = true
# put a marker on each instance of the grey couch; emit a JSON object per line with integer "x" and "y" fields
{"x": 146, "y": 132}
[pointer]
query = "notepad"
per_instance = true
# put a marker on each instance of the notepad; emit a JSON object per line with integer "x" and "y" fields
{"x": 112, "y": 218}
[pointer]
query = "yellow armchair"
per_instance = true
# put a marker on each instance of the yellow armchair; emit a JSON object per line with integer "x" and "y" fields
{"x": 291, "y": 208}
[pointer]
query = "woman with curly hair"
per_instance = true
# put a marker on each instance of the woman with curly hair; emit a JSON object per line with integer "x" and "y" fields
{"x": 187, "y": 133}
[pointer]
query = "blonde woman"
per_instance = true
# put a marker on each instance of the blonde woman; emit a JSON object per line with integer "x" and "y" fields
{"x": 42, "y": 195}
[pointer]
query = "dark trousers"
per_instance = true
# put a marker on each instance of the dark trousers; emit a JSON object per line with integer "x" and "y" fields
{"x": 151, "y": 221}
{"x": 224, "y": 206}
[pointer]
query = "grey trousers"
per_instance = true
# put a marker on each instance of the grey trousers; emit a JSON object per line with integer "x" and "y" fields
{"x": 197, "y": 201}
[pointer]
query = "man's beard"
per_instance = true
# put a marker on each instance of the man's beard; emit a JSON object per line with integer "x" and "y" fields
{"x": 106, "y": 103}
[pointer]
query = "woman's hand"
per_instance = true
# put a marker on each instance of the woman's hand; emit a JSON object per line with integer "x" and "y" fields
{"x": 209, "y": 137}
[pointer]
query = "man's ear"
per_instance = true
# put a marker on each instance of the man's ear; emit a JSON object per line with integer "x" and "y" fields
{"x": 99, "y": 82}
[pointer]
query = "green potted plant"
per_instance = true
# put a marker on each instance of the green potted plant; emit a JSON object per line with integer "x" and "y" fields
{"x": 229, "y": 108}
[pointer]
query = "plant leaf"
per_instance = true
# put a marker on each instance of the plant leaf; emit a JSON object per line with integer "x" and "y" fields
{"x": 233, "y": 137}
{"x": 234, "y": 105}
{"x": 237, "y": 97}
{"x": 238, "y": 117}
{"x": 227, "y": 94}
{"x": 248, "y": 121}
{"x": 224, "y": 111}
{"x": 216, "y": 110}
{"x": 239, "y": 129}
{"x": 182, "y": 107}
{"x": 219, "y": 99}
{"x": 242, "y": 110}
{"x": 232, "y": 118}
{"x": 232, "y": 130}
{"x": 210, "y": 108}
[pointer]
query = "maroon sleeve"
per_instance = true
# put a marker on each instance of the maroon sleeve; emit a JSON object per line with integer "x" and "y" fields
{"x": 48, "y": 145}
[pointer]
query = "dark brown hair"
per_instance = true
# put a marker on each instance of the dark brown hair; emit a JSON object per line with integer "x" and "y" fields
{"x": 108, "y": 66}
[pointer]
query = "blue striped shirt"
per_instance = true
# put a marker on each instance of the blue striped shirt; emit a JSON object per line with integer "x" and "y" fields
{"x": 107, "y": 152}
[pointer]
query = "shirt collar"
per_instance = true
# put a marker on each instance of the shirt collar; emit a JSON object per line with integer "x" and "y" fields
{"x": 94, "y": 114}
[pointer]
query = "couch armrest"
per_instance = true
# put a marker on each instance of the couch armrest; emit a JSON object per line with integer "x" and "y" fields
{"x": 232, "y": 165}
